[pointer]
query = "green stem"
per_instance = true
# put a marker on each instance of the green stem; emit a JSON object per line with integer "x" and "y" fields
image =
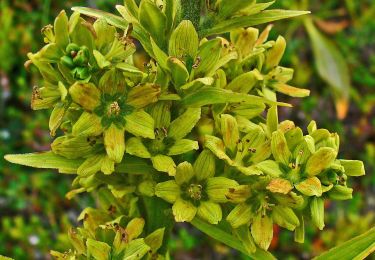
{"x": 191, "y": 10}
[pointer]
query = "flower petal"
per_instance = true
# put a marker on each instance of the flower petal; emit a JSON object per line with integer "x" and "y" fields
{"x": 91, "y": 165}
{"x": 210, "y": 211}
{"x": 184, "y": 173}
{"x": 136, "y": 249}
{"x": 168, "y": 191}
{"x": 280, "y": 148}
{"x": 135, "y": 228}
{"x": 216, "y": 146}
{"x": 229, "y": 130}
{"x": 134, "y": 146}
{"x": 310, "y": 187}
{"x": 262, "y": 231}
{"x": 183, "y": 146}
{"x": 183, "y": 124}
{"x": 143, "y": 95}
{"x": 86, "y": 95}
{"x": 204, "y": 165}
{"x": 164, "y": 163}
{"x": 114, "y": 142}
{"x": 279, "y": 185}
{"x": 139, "y": 123}
{"x": 240, "y": 215}
{"x": 218, "y": 187}
{"x": 87, "y": 125}
{"x": 183, "y": 210}
{"x": 320, "y": 161}
{"x": 108, "y": 165}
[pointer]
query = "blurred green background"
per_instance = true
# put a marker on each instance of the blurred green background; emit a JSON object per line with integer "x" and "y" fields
{"x": 34, "y": 214}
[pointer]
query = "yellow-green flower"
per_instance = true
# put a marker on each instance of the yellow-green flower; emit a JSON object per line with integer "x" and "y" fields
{"x": 170, "y": 138}
{"x": 241, "y": 149}
{"x": 195, "y": 190}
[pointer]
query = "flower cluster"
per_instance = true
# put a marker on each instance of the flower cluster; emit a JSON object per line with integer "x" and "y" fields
{"x": 195, "y": 125}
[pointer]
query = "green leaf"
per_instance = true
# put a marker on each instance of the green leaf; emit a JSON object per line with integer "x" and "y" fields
{"x": 154, "y": 21}
{"x": 61, "y": 30}
{"x": 228, "y": 8}
{"x": 356, "y": 248}
{"x": 228, "y": 239}
{"x": 211, "y": 95}
{"x": 45, "y": 160}
{"x": 184, "y": 41}
{"x": 331, "y": 66}
{"x": 246, "y": 21}
{"x": 112, "y": 19}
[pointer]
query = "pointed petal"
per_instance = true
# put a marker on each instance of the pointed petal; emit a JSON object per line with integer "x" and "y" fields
{"x": 210, "y": 211}
{"x": 134, "y": 146}
{"x": 310, "y": 187}
{"x": 184, "y": 173}
{"x": 353, "y": 168}
{"x": 183, "y": 210}
{"x": 91, "y": 165}
{"x": 183, "y": 125}
{"x": 86, "y": 95}
{"x": 136, "y": 249}
{"x": 218, "y": 187}
{"x": 183, "y": 146}
{"x": 204, "y": 165}
{"x": 262, "y": 231}
{"x": 114, "y": 142}
{"x": 320, "y": 160}
{"x": 240, "y": 215}
{"x": 143, "y": 95}
{"x": 88, "y": 125}
{"x": 135, "y": 227}
{"x": 216, "y": 146}
{"x": 97, "y": 249}
{"x": 229, "y": 130}
{"x": 280, "y": 148}
{"x": 164, "y": 163}
{"x": 168, "y": 191}
{"x": 139, "y": 123}
{"x": 279, "y": 185}
{"x": 108, "y": 165}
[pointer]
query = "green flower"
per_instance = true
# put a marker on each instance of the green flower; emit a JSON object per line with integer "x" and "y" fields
{"x": 195, "y": 190}
{"x": 170, "y": 138}
{"x": 243, "y": 150}
{"x": 112, "y": 116}
{"x": 103, "y": 238}
{"x": 258, "y": 208}
{"x": 255, "y": 51}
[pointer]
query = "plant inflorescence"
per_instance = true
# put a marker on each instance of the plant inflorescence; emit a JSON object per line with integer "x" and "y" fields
{"x": 189, "y": 132}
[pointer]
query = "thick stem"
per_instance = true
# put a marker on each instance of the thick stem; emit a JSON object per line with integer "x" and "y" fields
{"x": 191, "y": 10}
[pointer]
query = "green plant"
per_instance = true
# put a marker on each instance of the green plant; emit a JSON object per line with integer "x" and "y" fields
{"x": 193, "y": 135}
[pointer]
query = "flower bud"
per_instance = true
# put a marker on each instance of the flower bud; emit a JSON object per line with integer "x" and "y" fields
{"x": 339, "y": 192}
{"x": 285, "y": 217}
{"x": 317, "y": 212}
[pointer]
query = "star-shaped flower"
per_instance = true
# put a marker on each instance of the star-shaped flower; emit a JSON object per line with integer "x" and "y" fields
{"x": 195, "y": 190}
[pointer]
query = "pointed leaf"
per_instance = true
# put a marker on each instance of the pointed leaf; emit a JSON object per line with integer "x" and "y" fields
{"x": 112, "y": 19}
{"x": 251, "y": 20}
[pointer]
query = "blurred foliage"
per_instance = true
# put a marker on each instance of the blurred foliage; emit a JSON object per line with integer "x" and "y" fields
{"x": 33, "y": 210}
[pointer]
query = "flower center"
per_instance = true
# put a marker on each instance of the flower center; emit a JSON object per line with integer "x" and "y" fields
{"x": 195, "y": 191}
{"x": 114, "y": 109}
